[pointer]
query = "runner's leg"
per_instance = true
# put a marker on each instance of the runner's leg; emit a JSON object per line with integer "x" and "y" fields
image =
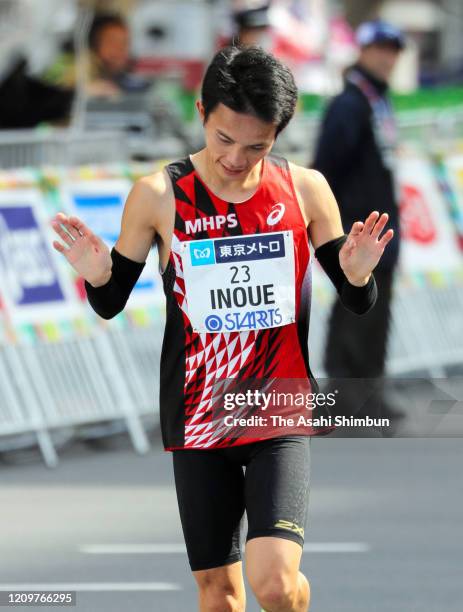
{"x": 272, "y": 567}
{"x": 277, "y": 496}
{"x": 210, "y": 494}
{"x": 221, "y": 589}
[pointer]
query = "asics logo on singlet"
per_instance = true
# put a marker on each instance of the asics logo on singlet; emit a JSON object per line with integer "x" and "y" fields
{"x": 278, "y": 210}
{"x": 211, "y": 223}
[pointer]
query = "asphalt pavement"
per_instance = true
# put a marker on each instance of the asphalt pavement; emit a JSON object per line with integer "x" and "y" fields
{"x": 385, "y": 530}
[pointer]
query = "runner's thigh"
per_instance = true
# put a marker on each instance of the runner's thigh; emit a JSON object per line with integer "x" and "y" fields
{"x": 277, "y": 485}
{"x": 210, "y": 494}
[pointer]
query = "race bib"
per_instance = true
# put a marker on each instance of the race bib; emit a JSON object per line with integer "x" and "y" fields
{"x": 240, "y": 283}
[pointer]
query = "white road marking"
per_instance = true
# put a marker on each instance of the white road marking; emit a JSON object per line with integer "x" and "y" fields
{"x": 93, "y": 586}
{"x": 337, "y": 547}
{"x": 176, "y": 548}
{"x": 133, "y": 549}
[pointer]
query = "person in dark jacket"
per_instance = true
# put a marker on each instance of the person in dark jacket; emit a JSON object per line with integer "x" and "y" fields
{"x": 253, "y": 27}
{"x": 356, "y": 153}
{"x": 26, "y": 101}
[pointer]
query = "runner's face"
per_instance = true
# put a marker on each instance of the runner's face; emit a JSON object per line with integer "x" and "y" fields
{"x": 236, "y": 142}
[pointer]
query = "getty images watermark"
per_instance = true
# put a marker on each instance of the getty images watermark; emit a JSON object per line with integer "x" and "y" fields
{"x": 265, "y": 408}
{"x": 268, "y": 402}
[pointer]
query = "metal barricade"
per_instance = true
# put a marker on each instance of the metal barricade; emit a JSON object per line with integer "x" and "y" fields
{"x": 113, "y": 372}
{"x": 79, "y": 381}
{"x": 138, "y": 352}
{"x": 425, "y": 333}
{"x": 31, "y": 148}
{"x": 426, "y": 329}
{"x": 19, "y": 406}
{"x": 49, "y": 385}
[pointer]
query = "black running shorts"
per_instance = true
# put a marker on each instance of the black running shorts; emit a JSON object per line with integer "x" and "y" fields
{"x": 213, "y": 491}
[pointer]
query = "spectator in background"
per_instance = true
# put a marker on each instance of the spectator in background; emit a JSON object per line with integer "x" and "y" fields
{"x": 109, "y": 42}
{"x": 355, "y": 152}
{"x": 253, "y": 27}
{"x": 27, "y": 101}
{"x": 109, "y": 61}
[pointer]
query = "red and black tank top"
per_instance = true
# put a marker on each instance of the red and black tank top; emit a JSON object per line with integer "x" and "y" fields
{"x": 193, "y": 359}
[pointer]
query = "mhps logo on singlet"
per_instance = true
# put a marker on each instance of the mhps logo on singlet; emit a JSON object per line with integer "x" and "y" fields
{"x": 203, "y": 224}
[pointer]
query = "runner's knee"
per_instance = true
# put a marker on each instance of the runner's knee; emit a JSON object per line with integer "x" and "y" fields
{"x": 219, "y": 593}
{"x": 276, "y": 591}
{"x": 221, "y": 602}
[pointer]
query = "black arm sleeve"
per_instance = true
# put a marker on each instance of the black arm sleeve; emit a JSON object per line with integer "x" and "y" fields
{"x": 356, "y": 299}
{"x": 110, "y": 299}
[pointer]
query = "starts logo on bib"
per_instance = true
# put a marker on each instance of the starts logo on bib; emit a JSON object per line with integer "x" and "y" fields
{"x": 276, "y": 215}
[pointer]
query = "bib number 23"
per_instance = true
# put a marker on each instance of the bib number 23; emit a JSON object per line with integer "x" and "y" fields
{"x": 240, "y": 283}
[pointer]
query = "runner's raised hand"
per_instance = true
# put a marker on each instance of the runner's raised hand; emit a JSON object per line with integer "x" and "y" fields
{"x": 362, "y": 250}
{"x": 84, "y": 250}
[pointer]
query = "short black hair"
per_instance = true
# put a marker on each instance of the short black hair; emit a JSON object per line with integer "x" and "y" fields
{"x": 100, "y": 22}
{"x": 249, "y": 80}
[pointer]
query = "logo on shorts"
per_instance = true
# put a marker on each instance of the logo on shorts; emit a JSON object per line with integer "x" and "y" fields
{"x": 276, "y": 215}
{"x": 290, "y": 526}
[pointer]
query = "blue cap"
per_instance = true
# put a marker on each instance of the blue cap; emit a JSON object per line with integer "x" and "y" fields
{"x": 372, "y": 32}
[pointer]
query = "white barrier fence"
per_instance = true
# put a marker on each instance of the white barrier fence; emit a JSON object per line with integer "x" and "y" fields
{"x": 90, "y": 371}
{"x": 113, "y": 374}
{"x": 32, "y": 148}
{"x": 19, "y": 409}
{"x": 426, "y": 333}
{"x": 106, "y": 376}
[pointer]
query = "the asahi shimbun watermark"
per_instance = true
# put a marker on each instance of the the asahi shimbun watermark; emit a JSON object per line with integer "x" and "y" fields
{"x": 299, "y": 410}
{"x": 265, "y": 408}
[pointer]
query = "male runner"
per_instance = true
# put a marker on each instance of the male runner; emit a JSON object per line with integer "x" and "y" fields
{"x": 199, "y": 210}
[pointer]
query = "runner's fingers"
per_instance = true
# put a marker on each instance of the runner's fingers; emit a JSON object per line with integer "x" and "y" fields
{"x": 80, "y": 226}
{"x": 72, "y": 230}
{"x": 64, "y": 220}
{"x": 59, "y": 247}
{"x": 370, "y": 222}
{"x": 73, "y": 225}
{"x": 386, "y": 238}
{"x": 356, "y": 228}
{"x": 378, "y": 228}
{"x": 61, "y": 217}
{"x": 62, "y": 234}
